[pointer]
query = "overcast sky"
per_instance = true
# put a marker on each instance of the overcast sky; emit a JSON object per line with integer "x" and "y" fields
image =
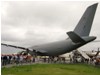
{"x": 32, "y": 23}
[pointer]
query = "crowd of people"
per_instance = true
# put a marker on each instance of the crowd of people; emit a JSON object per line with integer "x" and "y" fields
{"x": 16, "y": 59}
{"x": 21, "y": 59}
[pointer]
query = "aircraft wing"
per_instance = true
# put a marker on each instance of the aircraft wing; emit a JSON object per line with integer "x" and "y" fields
{"x": 31, "y": 51}
{"x": 15, "y": 46}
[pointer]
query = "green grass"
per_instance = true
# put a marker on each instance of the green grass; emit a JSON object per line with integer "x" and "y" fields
{"x": 52, "y": 69}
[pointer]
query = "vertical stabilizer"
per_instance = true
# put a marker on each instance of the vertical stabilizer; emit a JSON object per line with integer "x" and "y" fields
{"x": 84, "y": 26}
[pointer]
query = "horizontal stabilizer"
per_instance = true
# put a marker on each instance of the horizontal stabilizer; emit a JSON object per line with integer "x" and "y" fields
{"x": 74, "y": 37}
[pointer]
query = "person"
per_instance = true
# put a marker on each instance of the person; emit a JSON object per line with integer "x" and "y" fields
{"x": 10, "y": 57}
{"x": 14, "y": 59}
{"x": 21, "y": 59}
{"x": 33, "y": 59}
{"x": 1, "y": 59}
{"x": 55, "y": 59}
{"x": 17, "y": 58}
{"x": 4, "y": 60}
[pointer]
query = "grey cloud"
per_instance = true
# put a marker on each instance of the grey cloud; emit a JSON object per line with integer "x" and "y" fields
{"x": 31, "y": 23}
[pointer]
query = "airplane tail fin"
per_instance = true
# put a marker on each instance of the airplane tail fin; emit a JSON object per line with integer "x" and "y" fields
{"x": 84, "y": 26}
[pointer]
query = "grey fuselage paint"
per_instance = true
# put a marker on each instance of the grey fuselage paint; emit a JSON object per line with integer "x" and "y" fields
{"x": 60, "y": 47}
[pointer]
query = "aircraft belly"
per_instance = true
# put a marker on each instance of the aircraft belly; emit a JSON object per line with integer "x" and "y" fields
{"x": 56, "y": 48}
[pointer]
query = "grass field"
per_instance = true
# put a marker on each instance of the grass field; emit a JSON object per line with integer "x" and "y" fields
{"x": 52, "y": 69}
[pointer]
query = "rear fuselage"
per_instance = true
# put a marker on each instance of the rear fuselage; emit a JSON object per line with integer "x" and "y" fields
{"x": 57, "y": 48}
{"x": 60, "y": 47}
